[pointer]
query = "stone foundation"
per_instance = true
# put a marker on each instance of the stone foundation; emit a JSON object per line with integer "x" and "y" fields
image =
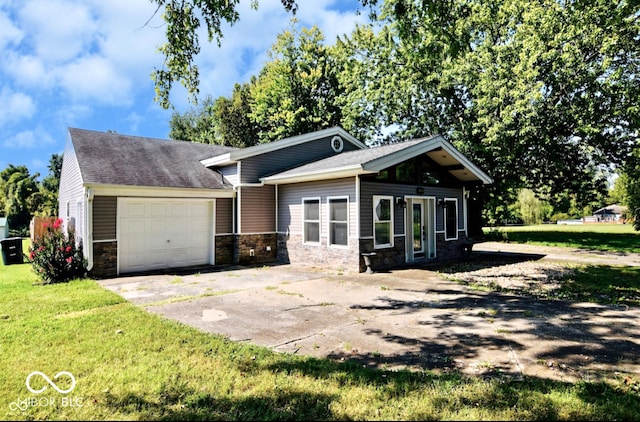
{"x": 385, "y": 258}
{"x": 251, "y": 249}
{"x": 105, "y": 260}
{"x": 292, "y": 250}
{"x": 225, "y": 249}
{"x": 450, "y": 250}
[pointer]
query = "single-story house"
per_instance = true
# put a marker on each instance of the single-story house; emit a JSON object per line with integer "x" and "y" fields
{"x": 610, "y": 213}
{"x": 322, "y": 198}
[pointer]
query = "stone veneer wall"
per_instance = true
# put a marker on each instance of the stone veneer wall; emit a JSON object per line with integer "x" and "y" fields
{"x": 385, "y": 258}
{"x": 450, "y": 249}
{"x": 259, "y": 243}
{"x": 291, "y": 249}
{"x": 225, "y": 246}
{"x": 105, "y": 260}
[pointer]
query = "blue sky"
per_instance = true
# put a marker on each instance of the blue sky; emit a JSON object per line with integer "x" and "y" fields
{"x": 87, "y": 64}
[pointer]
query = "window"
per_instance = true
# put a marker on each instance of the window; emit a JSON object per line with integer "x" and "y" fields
{"x": 311, "y": 220}
{"x": 382, "y": 221}
{"x": 451, "y": 219}
{"x": 338, "y": 221}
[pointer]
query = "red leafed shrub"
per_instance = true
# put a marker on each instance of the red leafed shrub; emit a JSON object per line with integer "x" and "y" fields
{"x": 55, "y": 257}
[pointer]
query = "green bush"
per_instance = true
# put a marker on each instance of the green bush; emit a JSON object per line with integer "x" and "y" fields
{"x": 55, "y": 257}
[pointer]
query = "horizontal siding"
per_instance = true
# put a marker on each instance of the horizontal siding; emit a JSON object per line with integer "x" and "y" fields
{"x": 224, "y": 215}
{"x": 231, "y": 174}
{"x": 71, "y": 191}
{"x": 257, "y": 209}
{"x": 290, "y": 204}
{"x": 254, "y": 168}
{"x": 369, "y": 189}
{"x": 105, "y": 214}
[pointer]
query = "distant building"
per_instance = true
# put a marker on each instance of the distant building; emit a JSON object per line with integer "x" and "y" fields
{"x": 611, "y": 213}
{"x": 4, "y": 227}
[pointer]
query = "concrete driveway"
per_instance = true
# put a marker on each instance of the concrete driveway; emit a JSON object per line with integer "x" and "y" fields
{"x": 408, "y": 318}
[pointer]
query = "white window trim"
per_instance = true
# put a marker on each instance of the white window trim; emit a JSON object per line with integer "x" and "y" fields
{"x": 445, "y": 219}
{"x": 329, "y": 240}
{"x": 377, "y": 198}
{"x": 304, "y": 221}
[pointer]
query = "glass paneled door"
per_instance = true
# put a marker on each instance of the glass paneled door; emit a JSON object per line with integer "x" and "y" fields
{"x": 421, "y": 241}
{"x": 419, "y": 234}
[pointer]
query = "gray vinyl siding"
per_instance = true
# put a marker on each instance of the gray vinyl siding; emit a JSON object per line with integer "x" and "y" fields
{"x": 253, "y": 168}
{"x": 231, "y": 174}
{"x": 71, "y": 190}
{"x": 224, "y": 215}
{"x": 105, "y": 212}
{"x": 257, "y": 209}
{"x": 290, "y": 204}
{"x": 369, "y": 189}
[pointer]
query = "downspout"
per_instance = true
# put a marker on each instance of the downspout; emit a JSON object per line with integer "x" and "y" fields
{"x": 88, "y": 228}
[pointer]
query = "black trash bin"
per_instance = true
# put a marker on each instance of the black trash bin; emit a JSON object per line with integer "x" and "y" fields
{"x": 11, "y": 250}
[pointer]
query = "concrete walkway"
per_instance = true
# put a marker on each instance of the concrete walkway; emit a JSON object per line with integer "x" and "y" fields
{"x": 409, "y": 318}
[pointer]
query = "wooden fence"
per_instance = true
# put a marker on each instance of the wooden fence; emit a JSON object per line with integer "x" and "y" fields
{"x": 38, "y": 226}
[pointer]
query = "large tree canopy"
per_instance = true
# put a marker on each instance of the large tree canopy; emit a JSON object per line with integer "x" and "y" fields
{"x": 540, "y": 93}
{"x": 297, "y": 91}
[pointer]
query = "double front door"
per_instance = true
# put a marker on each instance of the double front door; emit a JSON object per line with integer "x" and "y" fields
{"x": 421, "y": 241}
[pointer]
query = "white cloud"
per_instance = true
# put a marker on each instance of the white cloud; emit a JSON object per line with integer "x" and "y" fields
{"x": 59, "y": 30}
{"x": 95, "y": 79}
{"x": 29, "y": 139}
{"x": 15, "y": 105}
{"x": 9, "y": 33}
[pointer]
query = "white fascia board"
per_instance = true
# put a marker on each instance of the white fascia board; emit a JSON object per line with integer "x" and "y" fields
{"x": 242, "y": 153}
{"x": 328, "y": 174}
{"x": 158, "y": 192}
{"x": 467, "y": 164}
{"x": 423, "y": 147}
{"x": 218, "y": 160}
{"x": 403, "y": 154}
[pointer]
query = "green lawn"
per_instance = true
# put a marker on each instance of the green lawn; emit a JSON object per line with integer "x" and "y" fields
{"x": 133, "y": 365}
{"x": 601, "y": 237}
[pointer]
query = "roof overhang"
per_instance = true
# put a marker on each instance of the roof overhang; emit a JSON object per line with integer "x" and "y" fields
{"x": 441, "y": 152}
{"x": 156, "y": 191}
{"x": 333, "y": 173}
{"x": 236, "y": 155}
{"x": 436, "y": 148}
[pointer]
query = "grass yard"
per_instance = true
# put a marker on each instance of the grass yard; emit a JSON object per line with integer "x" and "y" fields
{"x": 133, "y": 365}
{"x": 601, "y": 237}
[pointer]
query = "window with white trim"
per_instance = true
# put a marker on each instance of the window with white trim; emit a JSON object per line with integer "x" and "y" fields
{"x": 311, "y": 220}
{"x": 450, "y": 219}
{"x": 382, "y": 221}
{"x": 339, "y": 221}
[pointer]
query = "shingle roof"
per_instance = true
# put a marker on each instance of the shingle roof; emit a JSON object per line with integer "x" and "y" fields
{"x": 115, "y": 159}
{"x": 373, "y": 160}
{"x": 349, "y": 158}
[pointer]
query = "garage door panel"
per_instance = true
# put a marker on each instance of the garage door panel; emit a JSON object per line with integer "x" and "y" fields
{"x": 171, "y": 233}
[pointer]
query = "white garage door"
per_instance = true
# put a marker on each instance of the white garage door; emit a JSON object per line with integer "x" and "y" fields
{"x": 164, "y": 233}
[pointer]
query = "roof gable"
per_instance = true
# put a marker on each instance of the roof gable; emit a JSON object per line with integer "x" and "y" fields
{"x": 116, "y": 159}
{"x": 373, "y": 160}
{"x": 238, "y": 154}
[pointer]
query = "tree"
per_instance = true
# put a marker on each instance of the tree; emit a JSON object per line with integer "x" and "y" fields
{"x": 297, "y": 89}
{"x": 232, "y": 116}
{"x": 541, "y": 94}
{"x": 21, "y": 192}
{"x": 195, "y": 125}
{"x": 183, "y": 19}
{"x": 49, "y": 188}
